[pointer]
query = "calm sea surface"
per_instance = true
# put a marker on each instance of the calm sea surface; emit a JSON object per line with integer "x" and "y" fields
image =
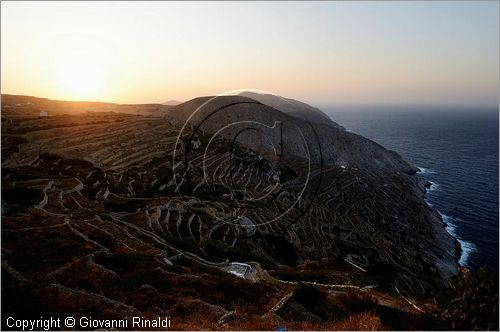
{"x": 458, "y": 153}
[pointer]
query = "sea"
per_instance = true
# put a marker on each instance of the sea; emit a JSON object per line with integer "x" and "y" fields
{"x": 457, "y": 151}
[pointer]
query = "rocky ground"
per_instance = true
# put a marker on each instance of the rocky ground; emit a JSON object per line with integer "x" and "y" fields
{"x": 109, "y": 214}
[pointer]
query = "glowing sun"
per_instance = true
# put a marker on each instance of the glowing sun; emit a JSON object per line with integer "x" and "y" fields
{"x": 81, "y": 78}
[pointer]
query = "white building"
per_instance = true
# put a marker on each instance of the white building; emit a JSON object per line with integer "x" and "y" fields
{"x": 239, "y": 269}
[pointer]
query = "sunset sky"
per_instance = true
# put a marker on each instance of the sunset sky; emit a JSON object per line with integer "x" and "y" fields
{"x": 320, "y": 52}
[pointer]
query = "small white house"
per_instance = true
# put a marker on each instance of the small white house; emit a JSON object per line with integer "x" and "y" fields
{"x": 239, "y": 269}
{"x": 44, "y": 114}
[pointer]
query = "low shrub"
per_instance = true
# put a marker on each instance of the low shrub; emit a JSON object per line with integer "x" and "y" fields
{"x": 470, "y": 302}
{"x": 355, "y": 301}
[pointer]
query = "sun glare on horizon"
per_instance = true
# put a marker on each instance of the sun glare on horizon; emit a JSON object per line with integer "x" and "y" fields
{"x": 81, "y": 78}
{"x": 154, "y": 51}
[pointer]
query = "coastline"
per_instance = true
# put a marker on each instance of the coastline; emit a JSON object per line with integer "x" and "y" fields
{"x": 466, "y": 247}
{"x": 456, "y": 249}
{"x": 463, "y": 169}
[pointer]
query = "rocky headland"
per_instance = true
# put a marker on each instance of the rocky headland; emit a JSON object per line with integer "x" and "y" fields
{"x": 210, "y": 211}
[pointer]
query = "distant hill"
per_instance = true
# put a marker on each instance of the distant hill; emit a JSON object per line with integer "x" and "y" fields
{"x": 32, "y": 106}
{"x": 293, "y": 107}
{"x": 351, "y": 149}
{"x": 172, "y": 102}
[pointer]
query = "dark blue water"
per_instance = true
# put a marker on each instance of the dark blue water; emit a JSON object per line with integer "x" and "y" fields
{"x": 458, "y": 153}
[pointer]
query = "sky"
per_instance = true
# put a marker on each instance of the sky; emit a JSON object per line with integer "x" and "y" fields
{"x": 350, "y": 53}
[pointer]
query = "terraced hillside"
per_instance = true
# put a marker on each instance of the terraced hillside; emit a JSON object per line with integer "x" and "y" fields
{"x": 144, "y": 214}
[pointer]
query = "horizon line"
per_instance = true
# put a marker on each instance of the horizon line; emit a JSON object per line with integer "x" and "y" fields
{"x": 371, "y": 105}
